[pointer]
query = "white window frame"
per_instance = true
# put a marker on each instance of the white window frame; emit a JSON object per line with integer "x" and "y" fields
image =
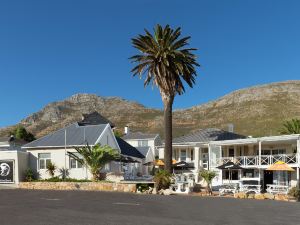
{"x": 46, "y": 160}
{"x": 76, "y": 163}
{"x": 141, "y": 143}
{"x": 181, "y": 151}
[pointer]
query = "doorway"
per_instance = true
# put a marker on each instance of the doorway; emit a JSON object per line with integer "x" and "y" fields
{"x": 268, "y": 178}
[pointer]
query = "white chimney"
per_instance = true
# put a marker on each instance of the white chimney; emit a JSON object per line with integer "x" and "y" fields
{"x": 231, "y": 127}
{"x": 126, "y": 130}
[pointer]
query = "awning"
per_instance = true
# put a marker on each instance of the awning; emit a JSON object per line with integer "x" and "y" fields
{"x": 230, "y": 166}
{"x": 280, "y": 166}
{"x": 183, "y": 165}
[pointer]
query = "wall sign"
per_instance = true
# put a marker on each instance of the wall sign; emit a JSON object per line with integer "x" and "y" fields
{"x": 6, "y": 171}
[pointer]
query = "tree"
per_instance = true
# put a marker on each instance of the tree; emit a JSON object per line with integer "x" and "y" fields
{"x": 167, "y": 64}
{"x": 208, "y": 176}
{"x": 95, "y": 157}
{"x": 162, "y": 179}
{"x": 21, "y": 133}
{"x": 51, "y": 167}
{"x": 291, "y": 127}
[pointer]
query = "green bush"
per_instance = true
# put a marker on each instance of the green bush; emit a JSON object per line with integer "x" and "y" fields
{"x": 294, "y": 192}
{"x": 162, "y": 179}
{"x": 29, "y": 175}
{"x": 143, "y": 187}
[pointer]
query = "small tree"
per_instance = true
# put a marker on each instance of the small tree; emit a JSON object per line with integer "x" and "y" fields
{"x": 291, "y": 127}
{"x": 208, "y": 176}
{"x": 95, "y": 157}
{"x": 21, "y": 133}
{"x": 162, "y": 179}
{"x": 51, "y": 167}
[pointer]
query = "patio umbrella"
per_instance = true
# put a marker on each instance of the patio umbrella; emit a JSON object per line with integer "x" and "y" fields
{"x": 280, "y": 166}
{"x": 230, "y": 166}
{"x": 183, "y": 165}
{"x": 160, "y": 162}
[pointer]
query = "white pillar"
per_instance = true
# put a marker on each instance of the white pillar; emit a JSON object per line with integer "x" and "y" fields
{"x": 196, "y": 162}
{"x": 298, "y": 160}
{"x": 259, "y": 160}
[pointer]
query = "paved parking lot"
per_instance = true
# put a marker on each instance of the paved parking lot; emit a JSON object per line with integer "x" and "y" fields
{"x": 20, "y": 207}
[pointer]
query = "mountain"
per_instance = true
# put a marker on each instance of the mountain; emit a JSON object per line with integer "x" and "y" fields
{"x": 256, "y": 111}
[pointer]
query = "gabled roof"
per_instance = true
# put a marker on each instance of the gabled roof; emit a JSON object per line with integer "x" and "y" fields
{"x": 94, "y": 118}
{"x": 75, "y": 136}
{"x": 207, "y": 135}
{"x": 128, "y": 150}
{"x": 144, "y": 150}
{"x": 139, "y": 136}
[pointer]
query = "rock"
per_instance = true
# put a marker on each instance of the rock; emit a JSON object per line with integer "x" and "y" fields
{"x": 240, "y": 195}
{"x": 259, "y": 196}
{"x": 269, "y": 196}
{"x": 251, "y": 196}
{"x": 281, "y": 197}
{"x": 154, "y": 192}
{"x": 168, "y": 192}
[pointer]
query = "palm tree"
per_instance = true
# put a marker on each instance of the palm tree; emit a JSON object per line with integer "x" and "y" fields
{"x": 166, "y": 63}
{"x": 291, "y": 127}
{"x": 208, "y": 176}
{"x": 94, "y": 157}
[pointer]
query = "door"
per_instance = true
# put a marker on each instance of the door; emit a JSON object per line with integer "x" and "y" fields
{"x": 268, "y": 178}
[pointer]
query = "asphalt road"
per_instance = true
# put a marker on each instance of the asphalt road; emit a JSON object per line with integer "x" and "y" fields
{"x": 22, "y": 207}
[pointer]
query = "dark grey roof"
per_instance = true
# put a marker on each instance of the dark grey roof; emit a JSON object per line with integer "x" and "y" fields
{"x": 144, "y": 150}
{"x": 75, "y": 135}
{"x": 207, "y": 135}
{"x": 128, "y": 150}
{"x": 138, "y": 135}
{"x": 13, "y": 140}
{"x": 94, "y": 118}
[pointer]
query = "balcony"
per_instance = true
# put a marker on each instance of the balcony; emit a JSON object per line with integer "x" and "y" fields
{"x": 266, "y": 160}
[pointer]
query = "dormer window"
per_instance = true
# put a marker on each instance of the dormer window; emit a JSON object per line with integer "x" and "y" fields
{"x": 143, "y": 143}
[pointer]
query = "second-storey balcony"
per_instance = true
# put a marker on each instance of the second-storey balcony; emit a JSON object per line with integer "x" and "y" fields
{"x": 264, "y": 161}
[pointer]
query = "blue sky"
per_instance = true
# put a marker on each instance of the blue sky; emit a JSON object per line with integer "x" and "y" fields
{"x": 50, "y": 50}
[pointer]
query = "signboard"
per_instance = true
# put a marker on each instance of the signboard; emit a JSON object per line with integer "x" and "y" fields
{"x": 6, "y": 171}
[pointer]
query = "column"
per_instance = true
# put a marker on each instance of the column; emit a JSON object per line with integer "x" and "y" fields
{"x": 298, "y": 160}
{"x": 196, "y": 162}
{"x": 259, "y": 160}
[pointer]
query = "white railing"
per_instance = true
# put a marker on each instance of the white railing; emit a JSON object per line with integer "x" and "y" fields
{"x": 251, "y": 161}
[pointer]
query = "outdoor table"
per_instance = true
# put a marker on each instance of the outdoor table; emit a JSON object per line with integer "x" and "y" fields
{"x": 274, "y": 188}
{"x": 181, "y": 185}
{"x": 251, "y": 188}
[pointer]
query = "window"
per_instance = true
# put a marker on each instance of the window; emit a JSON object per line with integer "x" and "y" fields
{"x": 183, "y": 155}
{"x": 44, "y": 160}
{"x": 74, "y": 164}
{"x": 192, "y": 154}
{"x": 231, "y": 152}
{"x": 231, "y": 175}
{"x": 143, "y": 143}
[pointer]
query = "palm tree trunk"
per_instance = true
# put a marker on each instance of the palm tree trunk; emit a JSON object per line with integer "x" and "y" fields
{"x": 168, "y": 103}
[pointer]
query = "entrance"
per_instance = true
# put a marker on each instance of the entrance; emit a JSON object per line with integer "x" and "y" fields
{"x": 268, "y": 178}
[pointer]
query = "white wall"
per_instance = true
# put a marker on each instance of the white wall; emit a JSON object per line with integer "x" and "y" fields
{"x": 20, "y": 163}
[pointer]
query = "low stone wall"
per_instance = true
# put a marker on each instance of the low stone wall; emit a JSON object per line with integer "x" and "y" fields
{"x": 84, "y": 186}
{"x": 280, "y": 197}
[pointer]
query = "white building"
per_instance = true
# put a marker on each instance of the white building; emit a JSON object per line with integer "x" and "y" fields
{"x": 209, "y": 148}
{"x": 54, "y": 148}
{"x": 146, "y": 144}
{"x": 13, "y": 161}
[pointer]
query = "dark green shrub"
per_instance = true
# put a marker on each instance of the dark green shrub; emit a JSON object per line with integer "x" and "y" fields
{"x": 294, "y": 192}
{"x": 162, "y": 179}
{"x": 29, "y": 175}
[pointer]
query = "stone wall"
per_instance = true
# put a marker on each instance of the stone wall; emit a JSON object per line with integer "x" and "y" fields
{"x": 84, "y": 186}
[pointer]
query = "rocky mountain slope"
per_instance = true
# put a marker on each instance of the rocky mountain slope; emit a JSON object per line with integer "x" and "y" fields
{"x": 255, "y": 111}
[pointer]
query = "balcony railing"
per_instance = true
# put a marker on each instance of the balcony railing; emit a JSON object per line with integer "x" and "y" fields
{"x": 266, "y": 160}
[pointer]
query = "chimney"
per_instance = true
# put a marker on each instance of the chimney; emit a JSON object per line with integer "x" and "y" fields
{"x": 230, "y": 127}
{"x": 126, "y": 130}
